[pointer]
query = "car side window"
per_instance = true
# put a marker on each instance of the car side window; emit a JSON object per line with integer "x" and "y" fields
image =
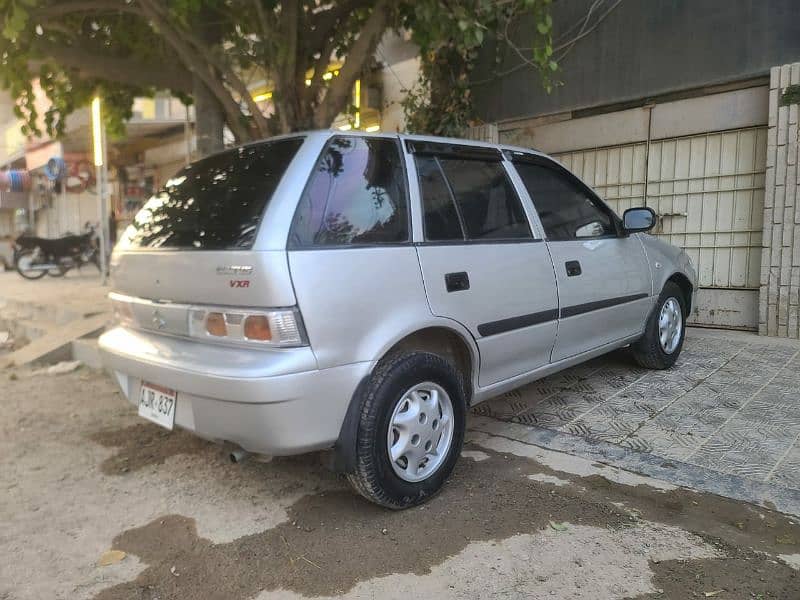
{"x": 441, "y": 219}
{"x": 567, "y": 212}
{"x": 483, "y": 202}
{"x": 356, "y": 195}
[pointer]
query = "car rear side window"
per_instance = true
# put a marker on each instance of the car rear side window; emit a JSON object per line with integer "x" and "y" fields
{"x": 567, "y": 212}
{"x": 487, "y": 203}
{"x": 442, "y": 221}
{"x": 215, "y": 203}
{"x": 356, "y": 195}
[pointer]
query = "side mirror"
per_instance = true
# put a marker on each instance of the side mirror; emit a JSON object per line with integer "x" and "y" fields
{"x": 639, "y": 219}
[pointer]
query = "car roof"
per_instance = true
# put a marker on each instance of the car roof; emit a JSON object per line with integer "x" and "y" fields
{"x": 409, "y": 136}
{"x": 326, "y": 133}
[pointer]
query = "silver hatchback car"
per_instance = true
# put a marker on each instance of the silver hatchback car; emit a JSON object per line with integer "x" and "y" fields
{"x": 360, "y": 292}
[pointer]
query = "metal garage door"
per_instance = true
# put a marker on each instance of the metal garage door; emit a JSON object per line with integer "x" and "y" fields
{"x": 709, "y": 191}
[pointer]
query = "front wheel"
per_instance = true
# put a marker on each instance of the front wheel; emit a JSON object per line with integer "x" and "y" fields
{"x": 26, "y": 262}
{"x": 665, "y": 331}
{"x": 410, "y": 431}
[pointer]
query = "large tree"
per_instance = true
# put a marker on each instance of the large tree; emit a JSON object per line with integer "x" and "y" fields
{"x": 210, "y": 51}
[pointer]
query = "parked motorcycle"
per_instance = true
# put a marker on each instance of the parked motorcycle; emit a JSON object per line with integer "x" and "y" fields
{"x": 35, "y": 257}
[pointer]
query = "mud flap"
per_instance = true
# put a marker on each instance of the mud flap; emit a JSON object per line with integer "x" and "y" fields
{"x": 344, "y": 450}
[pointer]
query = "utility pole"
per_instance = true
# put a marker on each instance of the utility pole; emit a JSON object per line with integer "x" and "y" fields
{"x": 101, "y": 174}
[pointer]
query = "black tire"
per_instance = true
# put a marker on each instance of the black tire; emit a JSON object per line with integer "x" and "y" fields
{"x": 647, "y": 351}
{"x": 373, "y": 476}
{"x": 59, "y": 271}
{"x": 28, "y": 274}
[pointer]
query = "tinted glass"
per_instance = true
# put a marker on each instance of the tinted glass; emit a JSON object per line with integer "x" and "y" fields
{"x": 441, "y": 218}
{"x": 566, "y": 211}
{"x": 487, "y": 202}
{"x": 214, "y": 203}
{"x": 356, "y": 195}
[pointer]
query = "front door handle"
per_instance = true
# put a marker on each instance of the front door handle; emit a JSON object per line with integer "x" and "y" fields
{"x": 573, "y": 268}
{"x": 456, "y": 282}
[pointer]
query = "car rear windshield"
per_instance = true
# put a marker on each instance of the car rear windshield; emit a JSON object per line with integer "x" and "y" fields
{"x": 215, "y": 203}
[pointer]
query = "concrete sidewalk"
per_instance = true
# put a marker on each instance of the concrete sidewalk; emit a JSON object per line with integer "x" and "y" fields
{"x": 727, "y": 415}
{"x": 47, "y": 318}
{"x": 60, "y": 299}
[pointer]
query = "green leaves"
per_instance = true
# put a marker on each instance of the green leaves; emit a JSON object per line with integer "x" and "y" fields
{"x": 246, "y": 38}
{"x": 449, "y": 36}
{"x": 16, "y": 16}
{"x": 790, "y": 95}
{"x": 31, "y": 46}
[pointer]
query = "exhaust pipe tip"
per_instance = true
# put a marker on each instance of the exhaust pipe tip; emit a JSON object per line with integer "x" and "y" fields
{"x": 239, "y": 456}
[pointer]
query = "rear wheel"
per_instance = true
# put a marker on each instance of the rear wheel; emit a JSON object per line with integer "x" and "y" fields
{"x": 663, "y": 337}
{"x": 59, "y": 271}
{"x": 411, "y": 430}
{"x": 26, "y": 261}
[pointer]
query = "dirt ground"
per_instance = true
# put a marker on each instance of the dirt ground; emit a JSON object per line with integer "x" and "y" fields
{"x": 81, "y": 474}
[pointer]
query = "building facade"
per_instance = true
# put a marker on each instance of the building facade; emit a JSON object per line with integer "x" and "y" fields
{"x": 687, "y": 106}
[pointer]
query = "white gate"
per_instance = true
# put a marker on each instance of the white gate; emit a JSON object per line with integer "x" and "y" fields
{"x": 709, "y": 192}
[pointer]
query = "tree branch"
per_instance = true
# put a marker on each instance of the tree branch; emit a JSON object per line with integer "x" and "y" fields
{"x": 323, "y": 22}
{"x": 320, "y": 68}
{"x": 160, "y": 14}
{"x": 89, "y": 63}
{"x": 63, "y": 9}
{"x": 291, "y": 14}
{"x": 198, "y": 66}
{"x": 267, "y": 28}
{"x": 323, "y": 39}
{"x": 287, "y": 90}
{"x": 362, "y": 49}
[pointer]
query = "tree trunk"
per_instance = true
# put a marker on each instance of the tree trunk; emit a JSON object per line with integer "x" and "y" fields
{"x": 209, "y": 119}
{"x": 209, "y": 112}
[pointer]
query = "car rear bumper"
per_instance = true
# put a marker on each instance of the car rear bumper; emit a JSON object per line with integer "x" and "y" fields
{"x": 266, "y": 402}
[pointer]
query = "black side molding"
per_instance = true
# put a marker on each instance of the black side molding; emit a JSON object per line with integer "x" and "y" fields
{"x": 545, "y": 316}
{"x": 512, "y": 323}
{"x": 579, "y": 309}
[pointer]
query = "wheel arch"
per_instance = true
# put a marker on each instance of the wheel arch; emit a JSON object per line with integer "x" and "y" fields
{"x": 440, "y": 338}
{"x": 682, "y": 281}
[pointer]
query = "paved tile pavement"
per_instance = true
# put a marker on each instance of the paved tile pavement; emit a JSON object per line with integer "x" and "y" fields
{"x": 731, "y": 405}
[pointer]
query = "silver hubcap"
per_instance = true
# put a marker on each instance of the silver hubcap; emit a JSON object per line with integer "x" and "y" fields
{"x": 420, "y": 432}
{"x": 670, "y": 325}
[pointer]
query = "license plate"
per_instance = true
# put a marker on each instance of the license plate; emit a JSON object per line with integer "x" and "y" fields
{"x": 157, "y": 404}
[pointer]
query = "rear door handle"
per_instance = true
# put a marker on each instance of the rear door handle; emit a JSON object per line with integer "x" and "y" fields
{"x": 573, "y": 268}
{"x": 456, "y": 282}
